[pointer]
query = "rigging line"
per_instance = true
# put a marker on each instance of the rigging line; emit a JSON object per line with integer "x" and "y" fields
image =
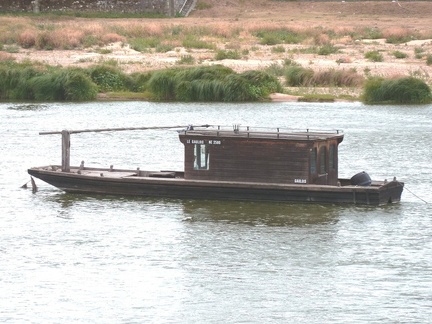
{"x": 416, "y": 195}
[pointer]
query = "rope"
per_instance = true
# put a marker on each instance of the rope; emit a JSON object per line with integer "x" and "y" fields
{"x": 416, "y": 195}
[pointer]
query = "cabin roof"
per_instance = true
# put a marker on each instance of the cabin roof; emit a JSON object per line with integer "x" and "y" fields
{"x": 262, "y": 133}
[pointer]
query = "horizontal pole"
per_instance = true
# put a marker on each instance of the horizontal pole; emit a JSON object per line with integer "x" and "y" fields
{"x": 115, "y": 129}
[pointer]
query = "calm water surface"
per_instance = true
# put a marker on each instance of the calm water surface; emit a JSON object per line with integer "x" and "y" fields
{"x": 87, "y": 259}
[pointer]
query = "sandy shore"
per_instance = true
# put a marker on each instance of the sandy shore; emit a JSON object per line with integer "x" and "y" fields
{"x": 350, "y": 56}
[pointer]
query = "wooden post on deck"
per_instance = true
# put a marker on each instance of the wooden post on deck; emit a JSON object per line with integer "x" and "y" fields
{"x": 65, "y": 151}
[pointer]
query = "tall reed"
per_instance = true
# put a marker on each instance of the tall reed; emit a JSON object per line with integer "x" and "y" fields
{"x": 213, "y": 83}
{"x": 25, "y": 82}
{"x": 407, "y": 90}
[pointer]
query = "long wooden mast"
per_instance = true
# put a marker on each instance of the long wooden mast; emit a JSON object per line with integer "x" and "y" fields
{"x": 65, "y": 161}
{"x": 112, "y": 129}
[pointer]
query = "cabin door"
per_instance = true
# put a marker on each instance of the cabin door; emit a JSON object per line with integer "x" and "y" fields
{"x": 319, "y": 165}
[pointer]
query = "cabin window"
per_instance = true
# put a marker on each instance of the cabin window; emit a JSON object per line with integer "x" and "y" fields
{"x": 323, "y": 160}
{"x": 201, "y": 157}
{"x": 313, "y": 161}
{"x": 332, "y": 157}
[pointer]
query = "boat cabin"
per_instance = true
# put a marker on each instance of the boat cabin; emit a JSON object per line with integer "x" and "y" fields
{"x": 261, "y": 155}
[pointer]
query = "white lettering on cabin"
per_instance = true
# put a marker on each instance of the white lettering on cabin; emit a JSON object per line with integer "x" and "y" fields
{"x": 300, "y": 181}
{"x": 195, "y": 141}
{"x": 211, "y": 142}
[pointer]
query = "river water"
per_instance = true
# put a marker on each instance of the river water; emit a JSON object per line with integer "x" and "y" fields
{"x": 87, "y": 259}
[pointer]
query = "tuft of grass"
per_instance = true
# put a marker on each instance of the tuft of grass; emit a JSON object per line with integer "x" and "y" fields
{"x": 27, "y": 38}
{"x": 296, "y": 76}
{"x": 419, "y": 52}
{"x": 337, "y": 78}
{"x": 397, "y": 35}
{"x": 278, "y": 49}
{"x": 371, "y": 33}
{"x": 192, "y": 41}
{"x": 144, "y": 45}
{"x": 164, "y": 47}
{"x": 317, "y": 98}
{"x": 279, "y": 36}
{"x": 103, "y": 51}
{"x": 186, "y": 59}
{"x": 223, "y": 55}
{"x": 11, "y": 49}
{"x": 400, "y": 55}
{"x": 328, "y": 49}
{"x": 374, "y": 56}
{"x": 275, "y": 69}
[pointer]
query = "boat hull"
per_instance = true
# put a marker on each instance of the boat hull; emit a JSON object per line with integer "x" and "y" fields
{"x": 130, "y": 183}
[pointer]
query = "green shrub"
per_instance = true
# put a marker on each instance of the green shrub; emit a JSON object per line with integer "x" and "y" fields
{"x": 281, "y": 36}
{"x": 109, "y": 78}
{"x": 231, "y": 55}
{"x": 163, "y": 48}
{"x": 186, "y": 59}
{"x": 266, "y": 82}
{"x": 418, "y": 52}
{"x": 296, "y": 76}
{"x": 90, "y": 40}
{"x": 328, "y": 49}
{"x": 398, "y": 39}
{"x": 140, "y": 80}
{"x": 44, "y": 42}
{"x": 278, "y": 49}
{"x": 372, "y": 33}
{"x": 24, "y": 82}
{"x": 406, "y": 90}
{"x": 374, "y": 56}
{"x": 144, "y": 44}
{"x": 11, "y": 49}
{"x": 275, "y": 69}
{"x": 77, "y": 86}
{"x": 400, "y": 55}
{"x": 429, "y": 59}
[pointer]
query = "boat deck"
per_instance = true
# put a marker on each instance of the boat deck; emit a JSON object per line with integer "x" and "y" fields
{"x": 178, "y": 176}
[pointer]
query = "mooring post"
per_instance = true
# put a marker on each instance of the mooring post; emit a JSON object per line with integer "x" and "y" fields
{"x": 65, "y": 151}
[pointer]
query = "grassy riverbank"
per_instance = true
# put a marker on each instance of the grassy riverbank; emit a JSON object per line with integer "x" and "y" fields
{"x": 315, "y": 49}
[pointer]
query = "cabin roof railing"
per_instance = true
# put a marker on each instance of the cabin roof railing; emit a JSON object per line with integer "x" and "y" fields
{"x": 261, "y": 132}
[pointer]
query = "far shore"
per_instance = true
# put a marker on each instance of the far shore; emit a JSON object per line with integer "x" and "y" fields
{"x": 233, "y": 26}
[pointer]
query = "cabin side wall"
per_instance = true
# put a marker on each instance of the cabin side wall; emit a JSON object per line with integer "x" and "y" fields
{"x": 252, "y": 160}
{"x": 323, "y": 162}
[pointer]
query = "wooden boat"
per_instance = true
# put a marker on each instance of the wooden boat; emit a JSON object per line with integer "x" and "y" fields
{"x": 238, "y": 163}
